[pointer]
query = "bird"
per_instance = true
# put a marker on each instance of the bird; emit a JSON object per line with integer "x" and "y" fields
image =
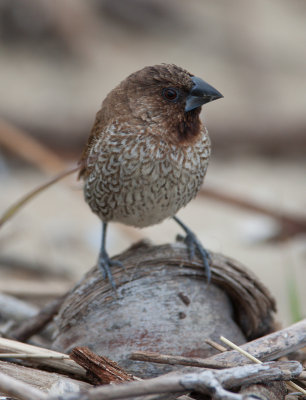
{"x": 147, "y": 154}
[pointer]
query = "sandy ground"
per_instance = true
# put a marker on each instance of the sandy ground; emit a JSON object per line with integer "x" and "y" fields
{"x": 59, "y": 234}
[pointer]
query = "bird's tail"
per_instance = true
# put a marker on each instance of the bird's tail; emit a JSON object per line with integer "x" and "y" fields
{"x": 14, "y": 208}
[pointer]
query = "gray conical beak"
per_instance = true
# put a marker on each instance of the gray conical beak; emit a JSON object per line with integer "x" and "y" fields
{"x": 200, "y": 93}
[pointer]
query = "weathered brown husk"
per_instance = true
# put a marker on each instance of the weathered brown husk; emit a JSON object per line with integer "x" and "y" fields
{"x": 163, "y": 304}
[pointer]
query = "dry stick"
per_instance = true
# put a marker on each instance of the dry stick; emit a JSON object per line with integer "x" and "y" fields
{"x": 209, "y": 382}
{"x": 291, "y": 224}
{"x": 21, "y": 143}
{"x": 15, "y": 388}
{"x": 172, "y": 360}
{"x": 12, "y": 210}
{"x": 25, "y": 356}
{"x": 215, "y": 345}
{"x": 63, "y": 365}
{"x": 255, "y": 360}
{"x": 38, "y": 322}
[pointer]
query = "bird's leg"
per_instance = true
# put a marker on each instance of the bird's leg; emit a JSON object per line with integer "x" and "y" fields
{"x": 104, "y": 262}
{"x": 194, "y": 244}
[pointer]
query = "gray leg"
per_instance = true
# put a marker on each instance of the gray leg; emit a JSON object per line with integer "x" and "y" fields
{"x": 104, "y": 262}
{"x": 194, "y": 244}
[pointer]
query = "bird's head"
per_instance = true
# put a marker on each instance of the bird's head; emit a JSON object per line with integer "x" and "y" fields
{"x": 165, "y": 99}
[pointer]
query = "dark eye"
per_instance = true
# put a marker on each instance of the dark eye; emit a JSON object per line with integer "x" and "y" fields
{"x": 170, "y": 94}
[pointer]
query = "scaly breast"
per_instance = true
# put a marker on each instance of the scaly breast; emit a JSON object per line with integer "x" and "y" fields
{"x": 140, "y": 180}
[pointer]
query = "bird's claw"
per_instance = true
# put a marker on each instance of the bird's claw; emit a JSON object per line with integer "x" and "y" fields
{"x": 104, "y": 264}
{"x": 194, "y": 245}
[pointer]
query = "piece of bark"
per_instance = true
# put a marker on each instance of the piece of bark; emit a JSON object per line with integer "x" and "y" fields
{"x": 148, "y": 314}
{"x": 100, "y": 370}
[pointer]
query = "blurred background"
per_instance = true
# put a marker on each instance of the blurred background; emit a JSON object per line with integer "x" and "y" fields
{"x": 59, "y": 59}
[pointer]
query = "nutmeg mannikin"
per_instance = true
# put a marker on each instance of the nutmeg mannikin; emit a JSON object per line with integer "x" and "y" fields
{"x": 148, "y": 152}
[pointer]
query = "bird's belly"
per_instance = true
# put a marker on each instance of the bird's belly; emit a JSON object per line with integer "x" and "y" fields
{"x": 147, "y": 204}
{"x": 143, "y": 200}
{"x": 143, "y": 191}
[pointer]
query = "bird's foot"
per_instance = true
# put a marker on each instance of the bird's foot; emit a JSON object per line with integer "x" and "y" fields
{"x": 193, "y": 244}
{"x": 104, "y": 265}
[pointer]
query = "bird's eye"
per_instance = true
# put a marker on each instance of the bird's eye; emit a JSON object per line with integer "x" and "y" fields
{"x": 170, "y": 94}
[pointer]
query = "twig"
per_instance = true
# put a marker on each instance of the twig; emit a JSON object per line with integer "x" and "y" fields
{"x": 62, "y": 365}
{"x": 291, "y": 224}
{"x": 172, "y": 360}
{"x": 207, "y": 382}
{"x": 215, "y": 345}
{"x": 34, "y": 356}
{"x": 38, "y": 322}
{"x": 16, "y": 388}
{"x": 254, "y": 359}
{"x": 12, "y": 210}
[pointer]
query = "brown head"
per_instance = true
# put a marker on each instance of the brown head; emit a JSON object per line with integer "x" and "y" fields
{"x": 161, "y": 100}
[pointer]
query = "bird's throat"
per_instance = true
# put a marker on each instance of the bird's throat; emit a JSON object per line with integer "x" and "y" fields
{"x": 189, "y": 128}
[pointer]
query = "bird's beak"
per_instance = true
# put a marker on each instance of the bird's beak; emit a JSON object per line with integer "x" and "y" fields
{"x": 200, "y": 93}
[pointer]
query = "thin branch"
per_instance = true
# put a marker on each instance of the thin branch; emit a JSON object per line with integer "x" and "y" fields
{"x": 241, "y": 351}
{"x": 13, "y": 209}
{"x": 24, "y": 356}
{"x": 215, "y": 345}
{"x": 172, "y": 360}
{"x": 62, "y": 365}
